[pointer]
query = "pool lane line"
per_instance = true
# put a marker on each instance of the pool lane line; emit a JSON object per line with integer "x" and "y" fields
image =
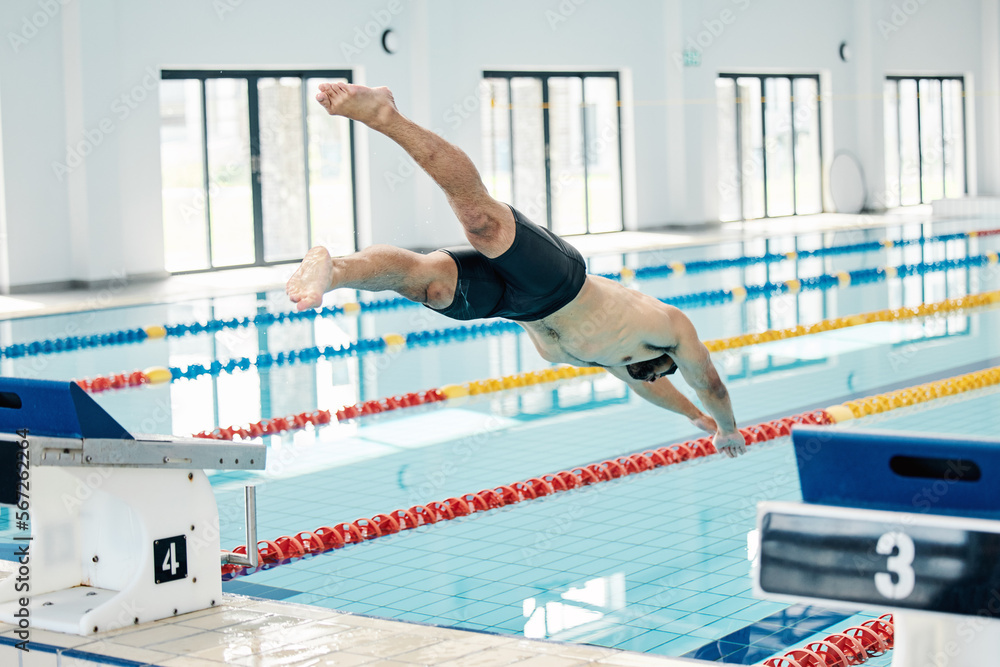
{"x": 306, "y": 543}
{"x": 851, "y": 646}
{"x": 157, "y": 374}
{"x": 529, "y": 378}
{"x": 289, "y": 548}
{"x": 922, "y": 393}
{"x": 156, "y": 332}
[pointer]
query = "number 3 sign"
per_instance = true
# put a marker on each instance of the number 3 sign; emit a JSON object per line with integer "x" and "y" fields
{"x": 901, "y": 565}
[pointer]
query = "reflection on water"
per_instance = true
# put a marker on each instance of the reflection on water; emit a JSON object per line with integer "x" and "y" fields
{"x": 582, "y": 608}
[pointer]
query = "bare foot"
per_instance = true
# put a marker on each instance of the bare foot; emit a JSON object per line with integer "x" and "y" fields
{"x": 311, "y": 280}
{"x": 705, "y": 423}
{"x": 372, "y": 106}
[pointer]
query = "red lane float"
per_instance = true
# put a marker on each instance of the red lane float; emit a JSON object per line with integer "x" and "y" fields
{"x": 278, "y": 425}
{"x": 853, "y": 646}
{"x": 325, "y": 538}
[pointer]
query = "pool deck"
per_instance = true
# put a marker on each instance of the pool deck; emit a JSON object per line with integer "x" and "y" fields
{"x": 263, "y": 633}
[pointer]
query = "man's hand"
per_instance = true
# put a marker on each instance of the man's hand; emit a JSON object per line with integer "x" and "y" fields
{"x": 705, "y": 423}
{"x": 731, "y": 444}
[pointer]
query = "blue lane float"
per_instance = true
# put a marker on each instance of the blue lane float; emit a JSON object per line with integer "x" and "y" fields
{"x": 697, "y": 299}
{"x": 499, "y": 327}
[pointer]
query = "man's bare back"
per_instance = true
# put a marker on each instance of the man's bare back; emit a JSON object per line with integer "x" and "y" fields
{"x": 637, "y": 338}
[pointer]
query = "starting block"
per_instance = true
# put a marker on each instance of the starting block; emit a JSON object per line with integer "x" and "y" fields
{"x": 909, "y": 522}
{"x": 124, "y": 529}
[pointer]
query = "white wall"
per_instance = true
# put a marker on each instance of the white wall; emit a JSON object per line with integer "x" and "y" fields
{"x": 87, "y": 67}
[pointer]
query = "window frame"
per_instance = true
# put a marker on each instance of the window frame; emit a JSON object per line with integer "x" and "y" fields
{"x": 762, "y": 77}
{"x": 252, "y": 76}
{"x": 940, "y": 78}
{"x": 544, "y": 76}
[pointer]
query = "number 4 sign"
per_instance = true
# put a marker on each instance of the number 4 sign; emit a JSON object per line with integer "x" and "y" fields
{"x": 170, "y": 559}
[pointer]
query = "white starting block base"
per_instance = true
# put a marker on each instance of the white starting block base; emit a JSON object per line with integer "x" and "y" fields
{"x": 940, "y": 640}
{"x": 91, "y": 564}
{"x": 62, "y": 611}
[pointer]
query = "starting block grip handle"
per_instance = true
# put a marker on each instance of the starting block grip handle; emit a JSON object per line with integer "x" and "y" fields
{"x": 252, "y": 559}
{"x": 250, "y": 504}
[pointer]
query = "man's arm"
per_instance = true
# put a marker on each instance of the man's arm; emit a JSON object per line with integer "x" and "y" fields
{"x": 662, "y": 393}
{"x": 674, "y": 330}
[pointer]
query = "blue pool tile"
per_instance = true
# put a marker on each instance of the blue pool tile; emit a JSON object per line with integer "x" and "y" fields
{"x": 708, "y": 582}
{"x": 718, "y": 651}
{"x": 447, "y": 606}
{"x": 646, "y": 641}
{"x": 387, "y": 598}
{"x": 620, "y": 633}
{"x": 356, "y": 607}
{"x": 515, "y": 625}
{"x": 725, "y": 626}
{"x": 759, "y": 610}
{"x": 692, "y": 623}
{"x": 679, "y": 645}
{"x": 698, "y": 602}
{"x": 727, "y": 607}
{"x": 731, "y": 586}
{"x": 497, "y": 615}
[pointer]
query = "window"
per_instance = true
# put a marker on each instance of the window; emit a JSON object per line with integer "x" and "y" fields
{"x": 770, "y": 156}
{"x": 552, "y": 147}
{"x": 924, "y": 139}
{"x": 255, "y": 172}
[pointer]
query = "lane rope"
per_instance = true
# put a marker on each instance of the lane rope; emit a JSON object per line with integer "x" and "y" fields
{"x": 853, "y": 646}
{"x": 554, "y": 374}
{"x": 465, "y": 332}
{"x": 263, "y": 320}
{"x": 289, "y": 548}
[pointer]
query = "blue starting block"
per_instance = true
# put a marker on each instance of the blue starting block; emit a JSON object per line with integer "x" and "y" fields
{"x": 124, "y": 528}
{"x": 898, "y": 520}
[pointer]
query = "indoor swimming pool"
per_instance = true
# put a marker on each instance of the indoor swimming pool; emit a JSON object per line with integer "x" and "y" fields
{"x": 657, "y": 561}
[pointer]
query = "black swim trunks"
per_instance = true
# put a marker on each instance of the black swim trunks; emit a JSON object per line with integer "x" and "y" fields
{"x": 539, "y": 274}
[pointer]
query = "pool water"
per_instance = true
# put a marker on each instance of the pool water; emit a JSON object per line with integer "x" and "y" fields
{"x": 653, "y": 562}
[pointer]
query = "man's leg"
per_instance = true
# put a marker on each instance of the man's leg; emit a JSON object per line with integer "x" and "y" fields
{"x": 426, "y": 279}
{"x": 489, "y": 225}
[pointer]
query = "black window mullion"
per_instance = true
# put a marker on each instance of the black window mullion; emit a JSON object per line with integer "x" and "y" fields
{"x": 346, "y": 74}
{"x": 739, "y": 144}
{"x": 819, "y": 141}
{"x": 763, "y": 137}
{"x": 305, "y": 157}
{"x": 965, "y": 146}
{"x": 795, "y": 185}
{"x": 899, "y": 134}
{"x": 586, "y": 157}
{"x": 204, "y": 158}
{"x": 253, "y": 104}
{"x": 920, "y": 145}
{"x": 545, "y": 141}
{"x": 621, "y": 173}
{"x": 944, "y": 161}
{"x": 510, "y": 131}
